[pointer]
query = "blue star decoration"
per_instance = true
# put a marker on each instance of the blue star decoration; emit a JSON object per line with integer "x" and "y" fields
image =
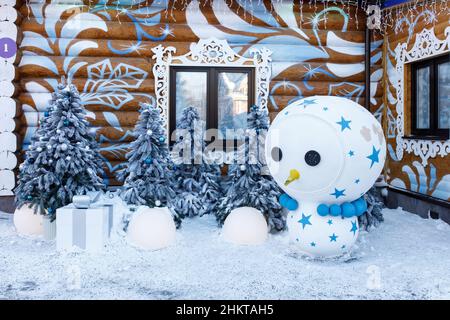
{"x": 297, "y": 239}
{"x": 333, "y": 237}
{"x": 306, "y": 102}
{"x": 313, "y": 244}
{"x": 354, "y": 228}
{"x": 325, "y": 108}
{"x": 305, "y": 220}
{"x": 374, "y": 156}
{"x": 286, "y": 113}
{"x": 338, "y": 193}
{"x": 351, "y": 153}
{"x": 345, "y": 124}
{"x": 330, "y": 222}
{"x": 343, "y": 246}
{"x": 357, "y": 181}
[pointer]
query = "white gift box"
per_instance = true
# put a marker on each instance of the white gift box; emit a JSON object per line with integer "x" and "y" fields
{"x": 87, "y": 229}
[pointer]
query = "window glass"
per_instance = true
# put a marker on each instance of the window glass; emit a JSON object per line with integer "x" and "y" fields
{"x": 444, "y": 95}
{"x": 232, "y": 102}
{"x": 423, "y": 98}
{"x": 191, "y": 91}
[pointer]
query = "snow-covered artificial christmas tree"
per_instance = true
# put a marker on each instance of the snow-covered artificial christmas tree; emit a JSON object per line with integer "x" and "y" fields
{"x": 63, "y": 158}
{"x": 147, "y": 175}
{"x": 248, "y": 185}
{"x": 196, "y": 178}
{"x": 375, "y": 204}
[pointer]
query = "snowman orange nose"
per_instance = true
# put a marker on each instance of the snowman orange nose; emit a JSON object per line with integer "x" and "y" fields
{"x": 293, "y": 175}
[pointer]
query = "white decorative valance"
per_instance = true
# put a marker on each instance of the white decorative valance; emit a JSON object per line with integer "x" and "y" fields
{"x": 209, "y": 52}
{"x": 425, "y": 46}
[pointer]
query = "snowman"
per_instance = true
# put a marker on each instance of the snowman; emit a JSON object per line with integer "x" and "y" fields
{"x": 325, "y": 153}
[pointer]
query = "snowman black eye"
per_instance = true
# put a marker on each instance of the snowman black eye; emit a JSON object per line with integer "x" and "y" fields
{"x": 312, "y": 158}
{"x": 276, "y": 153}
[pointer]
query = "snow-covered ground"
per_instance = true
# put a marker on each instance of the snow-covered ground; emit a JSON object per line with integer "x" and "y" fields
{"x": 405, "y": 258}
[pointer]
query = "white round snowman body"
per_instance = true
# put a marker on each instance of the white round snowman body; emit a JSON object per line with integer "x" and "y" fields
{"x": 325, "y": 152}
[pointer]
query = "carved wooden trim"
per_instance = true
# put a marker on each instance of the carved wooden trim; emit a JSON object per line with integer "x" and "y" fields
{"x": 209, "y": 52}
{"x": 425, "y": 46}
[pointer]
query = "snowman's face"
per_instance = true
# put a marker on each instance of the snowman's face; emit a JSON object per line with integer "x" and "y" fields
{"x": 316, "y": 155}
{"x": 325, "y": 149}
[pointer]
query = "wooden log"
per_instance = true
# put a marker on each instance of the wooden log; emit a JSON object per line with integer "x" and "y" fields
{"x": 337, "y": 54}
{"x": 9, "y": 108}
{"x": 320, "y": 72}
{"x": 292, "y": 88}
{"x": 8, "y": 141}
{"x": 40, "y": 102}
{"x": 8, "y": 71}
{"x": 113, "y": 134}
{"x": 334, "y": 20}
{"x": 8, "y": 88}
{"x": 181, "y": 32}
{"x": 283, "y": 101}
{"x": 263, "y": 6}
{"x": 8, "y": 160}
{"x": 97, "y": 119}
{"x": 7, "y": 182}
{"x": 33, "y": 66}
{"x": 395, "y": 39}
{"x": 25, "y": 132}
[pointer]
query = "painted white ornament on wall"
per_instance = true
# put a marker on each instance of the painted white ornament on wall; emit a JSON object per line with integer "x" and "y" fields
{"x": 209, "y": 52}
{"x": 425, "y": 46}
{"x": 325, "y": 150}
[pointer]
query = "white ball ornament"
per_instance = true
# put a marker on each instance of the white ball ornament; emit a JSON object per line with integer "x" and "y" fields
{"x": 325, "y": 152}
{"x": 27, "y": 222}
{"x": 245, "y": 226}
{"x": 242, "y": 167}
{"x": 149, "y": 132}
{"x": 68, "y": 158}
{"x": 64, "y": 147}
{"x": 38, "y": 149}
{"x": 157, "y": 203}
{"x": 151, "y": 228}
{"x": 58, "y": 131}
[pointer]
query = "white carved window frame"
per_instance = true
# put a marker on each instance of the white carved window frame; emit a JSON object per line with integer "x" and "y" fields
{"x": 210, "y": 52}
{"x": 426, "y": 45}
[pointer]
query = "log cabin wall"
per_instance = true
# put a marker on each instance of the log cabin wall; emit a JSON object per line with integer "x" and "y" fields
{"x": 106, "y": 49}
{"x": 9, "y": 107}
{"x": 423, "y": 166}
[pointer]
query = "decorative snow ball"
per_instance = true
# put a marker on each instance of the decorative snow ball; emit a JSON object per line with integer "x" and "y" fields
{"x": 151, "y": 228}
{"x": 245, "y": 226}
{"x": 27, "y": 222}
{"x": 325, "y": 153}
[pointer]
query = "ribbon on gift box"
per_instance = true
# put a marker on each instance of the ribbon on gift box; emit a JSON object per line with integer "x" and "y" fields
{"x": 93, "y": 198}
{"x": 79, "y": 225}
{"x": 81, "y": 201}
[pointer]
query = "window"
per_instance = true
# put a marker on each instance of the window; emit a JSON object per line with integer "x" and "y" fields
{"x": 430, "y": 99}
{"x": 222, "y": 95}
